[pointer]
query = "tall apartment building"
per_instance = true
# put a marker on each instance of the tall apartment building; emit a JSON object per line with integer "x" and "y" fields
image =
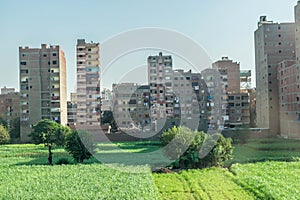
{"x": 297, "y": 31}
{"x": 10, "y": 106}
{"x": 232, "y": 69}
{"x": 124, "y": 104}
{"x": 88, "y": 85}
{"x": 289, "y": 98}
{"x": 160, "y": 79}
{"x": 274, "y": 42}
{"x": 42, "y": 86}
{"x": 190, "y": 99}
{"x": 217, "y": 98}
{"x": 6, "y": 90}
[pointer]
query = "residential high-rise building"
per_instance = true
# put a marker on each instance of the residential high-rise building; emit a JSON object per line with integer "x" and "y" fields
{"x": 42, "y": 86}
{"x": 297, "y": 31}
{"x": 289, "y": 98}
{"x": 217, "y": 98}
{"x": 160, "y": 79}
{"x": 190, "y": 98}
{"x": 232, "y": 69}
{"x": 6, "y": 90}
{"x": 274, "y": 42}
{"x": 88, "y": 85}
{"x": 124, "y": 104}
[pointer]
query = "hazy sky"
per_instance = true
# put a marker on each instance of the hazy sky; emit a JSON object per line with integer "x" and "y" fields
{"x": 222, "y": 28}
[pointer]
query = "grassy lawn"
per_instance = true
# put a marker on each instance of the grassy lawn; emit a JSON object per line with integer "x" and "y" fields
{"x": 258, "y": 150}
{"x": 24, "y": 174}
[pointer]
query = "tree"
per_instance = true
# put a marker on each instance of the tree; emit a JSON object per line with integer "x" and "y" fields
{"x": 14, "y": 131}
{"x": 4, "y": 135}
{"x": 3, "y": 123}
{"x": 49, "y": 133}
{"x": 108, "y": 118}
{"x": 80, "y": 145}
{"x": 200, "y": 149}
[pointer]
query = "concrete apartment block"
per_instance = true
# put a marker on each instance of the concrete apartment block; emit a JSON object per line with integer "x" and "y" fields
{"x": 10, "y": 106}
{"x": 232, "y": 69}
{"x": 217, "y": 98}
{"x": 88, "y": 85}
{"x": 274, "y": 42}
{"x": 190, "y": 98}
{"x": 289, "y": 98}
{"x": 239, "y": 109}
{"x": 42, "y": 86}
{"x": 160, "y": 79}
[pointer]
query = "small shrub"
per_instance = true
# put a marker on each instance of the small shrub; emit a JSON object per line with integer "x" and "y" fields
{"x": 63, "y": 161}
{"x": 4, "y": 135}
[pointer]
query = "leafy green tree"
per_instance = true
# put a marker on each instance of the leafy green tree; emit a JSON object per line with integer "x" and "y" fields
{"x": 108, "y": 118}
{"x": 49, "y": 133}
{"x": 80, "y": 145}
{"x": 3, "y": 123}
{"x": 14, "y": 131}
{"x": 4, "y": 135}
{"x": 200, "y": 149}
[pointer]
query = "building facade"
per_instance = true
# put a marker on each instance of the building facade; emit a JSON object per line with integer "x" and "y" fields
{"x": 160, "y": 79}
{"x": 88, "y": 85}
{"x": 217, "y": 106}
{"x": 239, "y": 109}
{"x": 190, "y": 100}
{"x": 106, "y": 100}
{"x": 125, "y": 104}
{"x": 274, "y": 42}
{"x": 10, "y": 106}
{"x": 232, "y": 71}
{"x": 289, "y": 98}
{"x": 42, "y": 86}
{"x": 6, "y": 90}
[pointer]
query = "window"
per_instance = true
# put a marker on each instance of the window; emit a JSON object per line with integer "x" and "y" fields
{"x": 54, "y": 62}
{"x": 89, "y": 49}
{"x": 279, "y": 35}
{"x": 23, "y": 63}
{"x": 280, "y": 51}
{"x": 54, "y": 54}
{"x": 45, "y": 55}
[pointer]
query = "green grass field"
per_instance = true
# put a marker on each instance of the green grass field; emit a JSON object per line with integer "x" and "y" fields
{"x": 24, "y": 174}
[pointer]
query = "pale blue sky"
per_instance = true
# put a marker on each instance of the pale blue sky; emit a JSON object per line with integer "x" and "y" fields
{"x": 222, "y": 28}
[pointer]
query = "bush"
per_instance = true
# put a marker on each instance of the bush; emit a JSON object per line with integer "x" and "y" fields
{"x": 4, "y": 135}
{"x": 80, "y": 145}
{"x": 193, "y": 150}
{"x": 63, "y": 161}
